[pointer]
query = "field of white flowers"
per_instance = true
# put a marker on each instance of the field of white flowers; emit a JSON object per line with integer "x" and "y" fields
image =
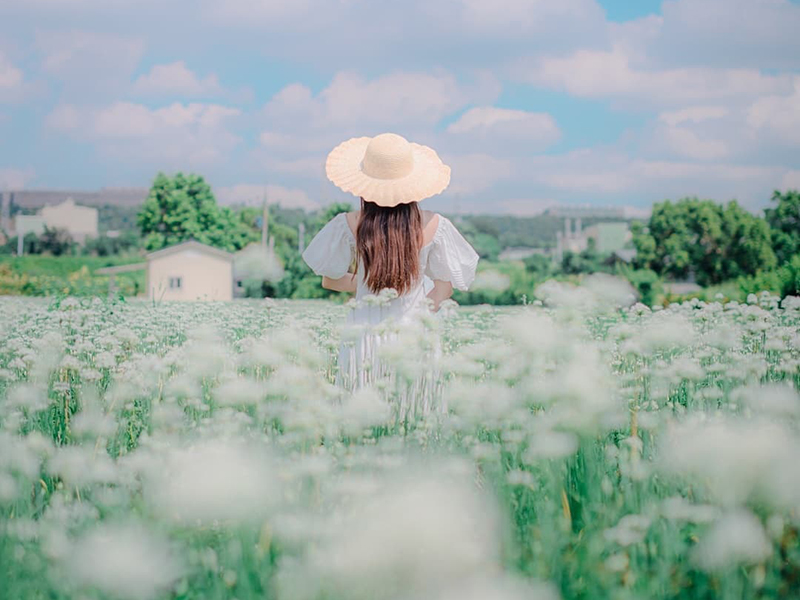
{"x": 584, "y": 451}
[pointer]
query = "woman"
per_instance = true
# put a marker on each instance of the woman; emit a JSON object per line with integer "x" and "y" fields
{"x": 390, "y": 244}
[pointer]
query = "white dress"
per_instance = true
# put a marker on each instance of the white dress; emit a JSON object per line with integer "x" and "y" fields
{"x": 374, "y": 319}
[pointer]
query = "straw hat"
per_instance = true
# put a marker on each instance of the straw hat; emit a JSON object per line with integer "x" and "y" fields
{"x": 387, "y": 169}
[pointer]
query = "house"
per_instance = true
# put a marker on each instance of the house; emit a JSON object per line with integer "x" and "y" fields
{"x": 185, "y": 271}
{"x": 79, "y": 221}
{"x": 190, "y": 271}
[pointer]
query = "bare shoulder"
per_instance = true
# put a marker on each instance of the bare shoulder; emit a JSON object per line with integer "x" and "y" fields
{"x": 429, "y": 218}
{"x": 352, "y": 218}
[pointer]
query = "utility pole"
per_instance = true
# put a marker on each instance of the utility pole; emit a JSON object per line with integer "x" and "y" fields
{"x": 5, "y": 218}
{"x": 301, "y": 237}
{"x": 265, "y": 222}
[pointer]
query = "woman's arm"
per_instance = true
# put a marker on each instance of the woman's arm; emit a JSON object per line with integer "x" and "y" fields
{"x": 441, "y": 291}
{"x": 346, "y": 283}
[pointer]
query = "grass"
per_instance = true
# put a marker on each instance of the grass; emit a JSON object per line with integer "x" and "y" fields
{"x": 65, "y": 275}
{"x": 573, "y": 450}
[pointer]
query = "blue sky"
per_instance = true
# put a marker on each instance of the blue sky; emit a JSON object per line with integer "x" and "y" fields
{"x": 531, "y": 102}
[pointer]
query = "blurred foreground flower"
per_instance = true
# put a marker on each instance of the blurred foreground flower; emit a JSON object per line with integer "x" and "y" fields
{"x": 124, "y": 561}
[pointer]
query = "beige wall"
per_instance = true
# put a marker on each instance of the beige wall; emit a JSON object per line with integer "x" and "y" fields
{"x": 80, "y": 221}
{"x": 203, "y": 276}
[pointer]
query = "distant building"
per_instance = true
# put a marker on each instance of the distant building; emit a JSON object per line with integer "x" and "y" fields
{"x": 571, "y": 239}
{"x": 190, "y": 271}
{"x": 25, "y": 224}
{"x": 79, "y": 221}
{"x": 520, "y": 252}
{"x": 608, "y": 237}
{"x": 103, "y": 196}
{"x": 5, "y": 212}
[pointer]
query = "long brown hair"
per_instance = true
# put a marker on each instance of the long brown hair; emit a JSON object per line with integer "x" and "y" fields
{"x": 388, "y": 241}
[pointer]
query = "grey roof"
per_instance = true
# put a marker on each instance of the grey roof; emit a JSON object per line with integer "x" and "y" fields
{"x": 191, "y": 245}
{"x": 121, "y": 269}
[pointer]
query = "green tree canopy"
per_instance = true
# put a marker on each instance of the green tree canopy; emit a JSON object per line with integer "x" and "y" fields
{"x": 711, "y": 241}
{"x": 784, "y": 219}
{"x": 331, "y": 211}
{"x": 182, "y": 207}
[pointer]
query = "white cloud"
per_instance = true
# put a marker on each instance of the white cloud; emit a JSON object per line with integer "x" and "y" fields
{"x": 392, "y": 99}
{"x": 89, "y": 63}
{"x": 778, "y": 115}
{"x": 611, "y": 74}
{"x": 176, "y": 78}
{"x": 693, "y": 114}
{"x": 791, "y": 180}
{"x": 539, "y": 130}
{"x": 301, "y": 127}
{"x": 14, "y": 85}
{"x": 10, "y": 76}
{"x": 128, "y": 120}
{"x": 72, "y": 5}
{"x": 685, "y": 142}
{"x": 254, "y": 194}
{"x": 251, "y": 12}
{"x": 178, "y": 134}
{"x": 416, "y": 24}
{"x": 724, "y": 33}
{"x": 518, "y": 16}
{"x": 64, "y": 117}
{"x": 607, "y": 174}
{"x": 15, "y": 179}
{"x": 473, "y": 173}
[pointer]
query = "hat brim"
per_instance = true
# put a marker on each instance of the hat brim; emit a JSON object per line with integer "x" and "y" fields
{"x": 430, "y": 176}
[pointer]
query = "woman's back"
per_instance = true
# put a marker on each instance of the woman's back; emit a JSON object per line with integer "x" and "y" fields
{"x": 411, "y": 297}
{"x": 444, "y": 256}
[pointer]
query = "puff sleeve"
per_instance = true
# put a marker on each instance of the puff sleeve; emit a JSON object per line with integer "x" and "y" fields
{"x": 451, "y": 258}
{"x": 330, "y": 252}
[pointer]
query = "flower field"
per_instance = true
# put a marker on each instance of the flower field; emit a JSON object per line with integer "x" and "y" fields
{"x": 579, "y": 447}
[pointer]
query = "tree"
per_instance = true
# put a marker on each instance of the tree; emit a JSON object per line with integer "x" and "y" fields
{"x": 104, "y": 245}
{"x": 183, "y": 207}
{"x": 56, "y": 241}
{"x": 331, "y": 211}
{"x": 784, "y": 220}
{"x": 540, "y": 265}
{"x": 646, "y": 282}
{"x": 586, "y": 261}
{"x": 704, "y": 239}
{"x": 747, "y": 246}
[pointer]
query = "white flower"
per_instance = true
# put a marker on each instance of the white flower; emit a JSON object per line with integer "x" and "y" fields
{"x": 631, "y": 529}
{"x": 491, "y": 279}
{"x": 737, "y": 538}
{"x": 214, "y": 480}
{"x": 422, "y": 530}
{"x": 239, "y": 391}
{"x": 363, "y": 409}
{"x": 82, "y": 465}
{"x": 123, "y": 561}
